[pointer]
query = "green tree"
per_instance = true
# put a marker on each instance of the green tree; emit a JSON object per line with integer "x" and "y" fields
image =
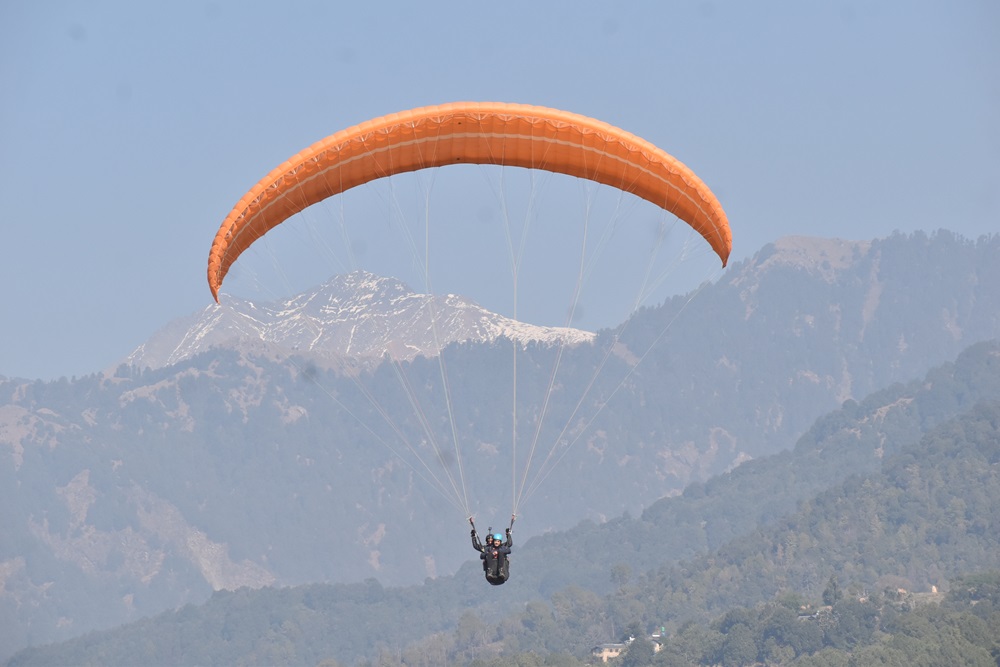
{"x": 832, "y": 593}
{"x": 739, "y": 647}
{"x": 693, "y": 644}
{"x": 828, "y": 657}
{"x": 640, "y": 653}
{"x": 621, "y": 574}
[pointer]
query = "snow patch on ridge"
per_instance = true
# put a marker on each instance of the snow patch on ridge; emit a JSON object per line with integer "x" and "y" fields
{"x": 357, "y": 316}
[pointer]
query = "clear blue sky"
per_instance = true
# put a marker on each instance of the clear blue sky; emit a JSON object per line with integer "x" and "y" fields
{"x": 129, "y": 129}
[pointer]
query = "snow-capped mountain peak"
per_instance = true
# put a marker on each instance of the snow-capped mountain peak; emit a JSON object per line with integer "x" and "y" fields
{"x": 357, "y": 316}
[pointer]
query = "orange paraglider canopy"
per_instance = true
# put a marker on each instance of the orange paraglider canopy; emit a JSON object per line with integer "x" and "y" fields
{"x": 517, "y": 135}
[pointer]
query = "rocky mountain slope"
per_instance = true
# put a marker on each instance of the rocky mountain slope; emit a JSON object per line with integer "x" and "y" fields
{"x": 127, "y": 493}
{"x": 895, "y": 497}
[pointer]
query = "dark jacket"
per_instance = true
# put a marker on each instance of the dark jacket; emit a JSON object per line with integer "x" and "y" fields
{"x": 496, "y": 564}
{"x": 478, "y": 546}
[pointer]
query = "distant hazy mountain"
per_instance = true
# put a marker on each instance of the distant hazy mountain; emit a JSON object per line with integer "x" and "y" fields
{"x": 894, "y": 497}
{"x": 125, "y": 494}
{"x": 358, "y": 316}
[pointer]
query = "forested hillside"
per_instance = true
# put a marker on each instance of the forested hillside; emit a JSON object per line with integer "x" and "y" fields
{"x": 917, "y": 513}
{"x": 854, "y": 440}
{"x": 133, "y": 492}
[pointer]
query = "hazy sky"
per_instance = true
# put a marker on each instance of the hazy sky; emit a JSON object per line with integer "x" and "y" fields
{"x": 129, "y": 129}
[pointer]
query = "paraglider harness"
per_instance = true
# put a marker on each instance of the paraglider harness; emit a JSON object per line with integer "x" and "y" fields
{"x": 496, "y": 556}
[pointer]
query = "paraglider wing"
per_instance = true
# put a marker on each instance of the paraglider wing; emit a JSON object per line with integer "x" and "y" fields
{"x": 517, "y": 135}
